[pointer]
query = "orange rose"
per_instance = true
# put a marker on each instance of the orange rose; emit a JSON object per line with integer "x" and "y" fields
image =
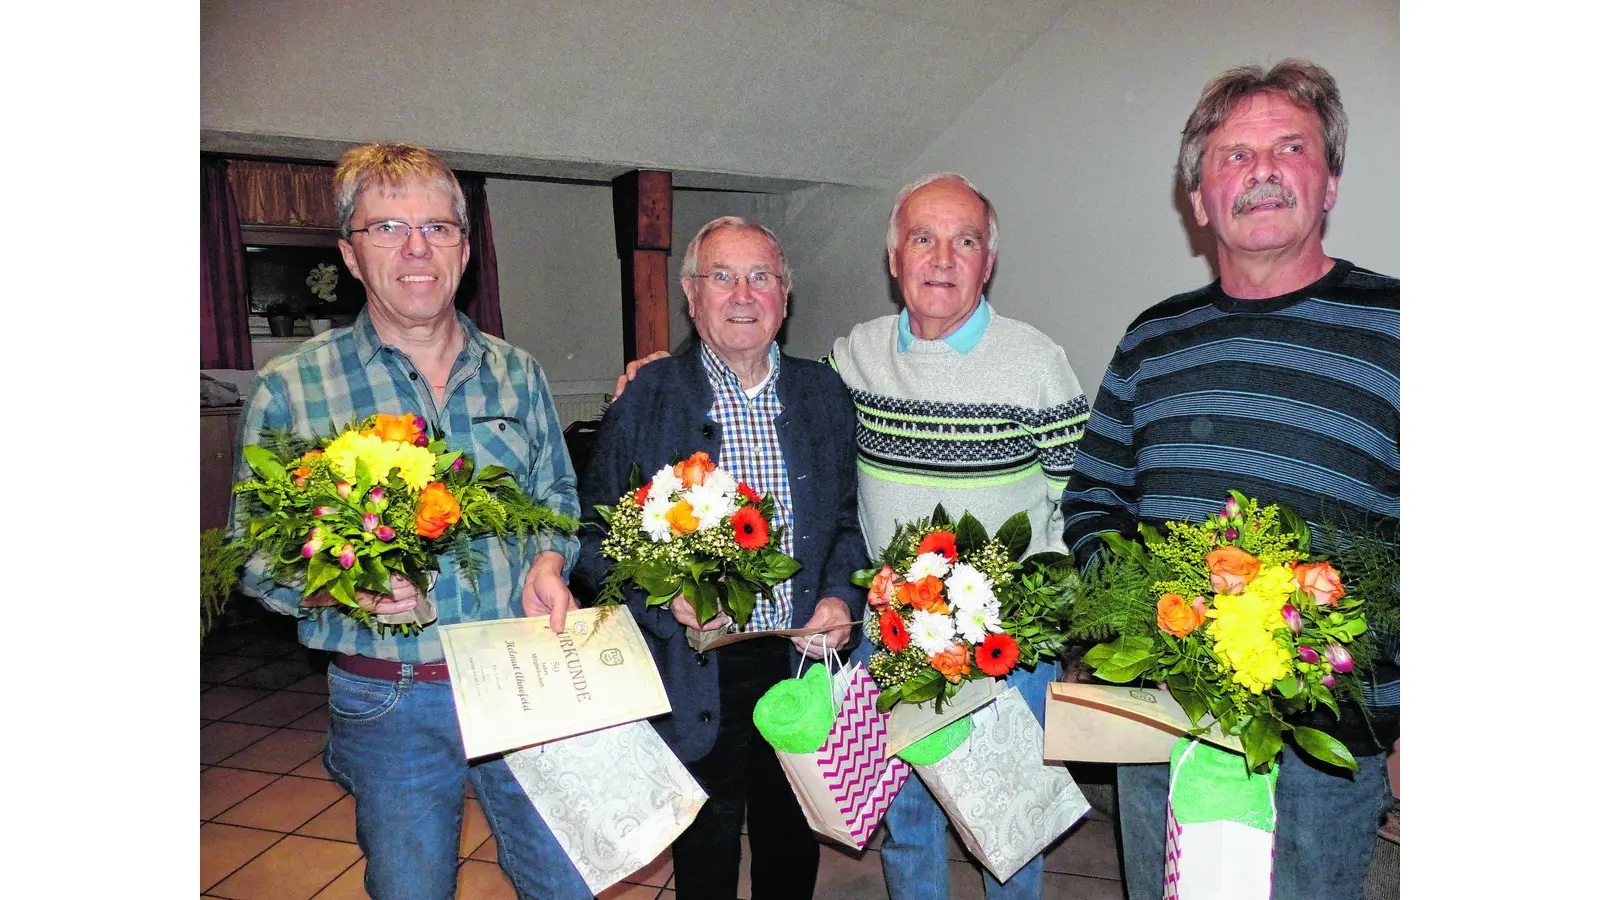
{"x": 1321, "y": 581}
{"x": 1177, "y": 616}
{"x": 925, "y": 594}
{"x": 882, "y": 588}
{"x": 395, "y": 428}
{"x": 682, "y": 519}
{"x": 1231, "y": 569}
{"x": 694, "y": 470}
{"x": 952, "y": 663}
{"x": 436, "y": 510}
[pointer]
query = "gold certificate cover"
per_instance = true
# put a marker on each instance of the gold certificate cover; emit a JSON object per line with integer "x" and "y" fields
{"x": 517, "y": 683}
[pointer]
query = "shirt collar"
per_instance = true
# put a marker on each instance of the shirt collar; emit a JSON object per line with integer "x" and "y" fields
{"x": 963, "y": 339}
{"x": 368, "y": 343}
{"x": 720, "y": 371}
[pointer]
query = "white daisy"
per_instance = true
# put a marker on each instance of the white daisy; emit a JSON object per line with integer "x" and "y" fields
{"x": 709, "y": 505}
{"x": 968, "y": 588}
{"x": 927, "y": 564}
{"x": 976, "y": 621}
{"x": 655, "y": 519}
{"x": 720, "y": 481}
{"x": 931, "y": 632}
{"x": 665, "y": 484}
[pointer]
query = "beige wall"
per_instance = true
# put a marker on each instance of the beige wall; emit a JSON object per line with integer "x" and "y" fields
{"x": 1076, "y": 144}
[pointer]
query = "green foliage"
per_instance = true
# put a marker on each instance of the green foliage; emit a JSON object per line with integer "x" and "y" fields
{"x": 220, "y": 562}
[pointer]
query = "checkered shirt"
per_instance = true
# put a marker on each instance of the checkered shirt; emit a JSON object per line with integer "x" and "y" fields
{"x": 497, "y": 408}
{"x": 751, "y": 454}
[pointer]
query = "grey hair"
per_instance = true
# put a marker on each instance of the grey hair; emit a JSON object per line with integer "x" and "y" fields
{"x": 1306, "y": 84}
{"x": 691, "y": 253}
{"x": 396, "y": 167}
{"x": 893, "y": 239}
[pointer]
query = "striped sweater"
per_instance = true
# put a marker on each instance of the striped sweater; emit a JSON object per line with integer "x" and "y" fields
{"x": 992, "y": 431}
{"x": 1293, "y": 400}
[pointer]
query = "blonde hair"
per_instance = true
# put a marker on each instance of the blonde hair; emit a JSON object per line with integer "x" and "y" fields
{"x": 395, "y": 167}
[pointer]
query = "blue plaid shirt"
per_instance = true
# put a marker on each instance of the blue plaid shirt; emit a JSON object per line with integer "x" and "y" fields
{"x": 750, "y": 453}
{"x": 497, "y": 409}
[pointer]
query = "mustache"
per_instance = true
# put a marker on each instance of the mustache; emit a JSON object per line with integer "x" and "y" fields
{"x": 1262, "y": 192}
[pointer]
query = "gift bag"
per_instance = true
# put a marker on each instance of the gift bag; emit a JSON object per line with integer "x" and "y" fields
{"x": 845, "y": 784}
{"x": 1220, "y": 820}
{"x": 1004, "y": 802}
{"x": 614, "y": 798}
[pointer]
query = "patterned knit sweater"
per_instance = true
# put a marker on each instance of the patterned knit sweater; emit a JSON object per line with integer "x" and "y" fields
{"x": 1294, "y": 400}
{"x": 992, "y": 431}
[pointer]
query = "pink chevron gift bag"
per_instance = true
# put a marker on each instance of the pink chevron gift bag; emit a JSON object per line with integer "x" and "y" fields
{"x": 846, "y": 785}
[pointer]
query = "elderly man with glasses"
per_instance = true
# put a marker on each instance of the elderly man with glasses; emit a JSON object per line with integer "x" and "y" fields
{"x": 393, "y": 741}
{"x": 784, "y": 426}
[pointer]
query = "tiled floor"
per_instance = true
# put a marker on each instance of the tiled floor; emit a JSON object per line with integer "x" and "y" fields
{"x": 273, "y": 826}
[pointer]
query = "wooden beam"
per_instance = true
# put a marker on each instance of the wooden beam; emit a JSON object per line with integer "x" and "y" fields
{"x": 641, "y": 202}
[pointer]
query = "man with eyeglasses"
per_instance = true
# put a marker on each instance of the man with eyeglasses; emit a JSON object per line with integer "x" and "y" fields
{"x": 959, "y": 405}
{"x": 783, "y": 426}
{"x": 393, "y": 741}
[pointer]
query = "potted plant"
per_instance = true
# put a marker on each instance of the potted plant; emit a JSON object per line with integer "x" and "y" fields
{"x": 322, "y": 280}
{"x": 280, "y": 319}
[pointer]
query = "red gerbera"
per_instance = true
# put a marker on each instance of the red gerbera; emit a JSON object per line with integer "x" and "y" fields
{"x": 997, "y": 654}
{"x": 641, "y": 494}
{"x": 749, "y": 529}
{"x": 893, "y": 629}
{"x": 749, "y": 493}
{"x": 940, "y": 542}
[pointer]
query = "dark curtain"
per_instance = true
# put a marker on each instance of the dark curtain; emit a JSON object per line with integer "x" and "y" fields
{"x": 224, "y": 305}
{"x": 479, "y": 296}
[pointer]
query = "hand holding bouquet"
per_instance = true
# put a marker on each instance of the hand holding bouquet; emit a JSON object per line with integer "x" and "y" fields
{"x": 949, "y": 599}
{"x": 694, "y": 530}
{"x": 376, "y": 500}
{"x": 1238, "y": 621}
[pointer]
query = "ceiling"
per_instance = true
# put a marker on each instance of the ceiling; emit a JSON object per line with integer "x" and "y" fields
{"x": 736, "y": 95}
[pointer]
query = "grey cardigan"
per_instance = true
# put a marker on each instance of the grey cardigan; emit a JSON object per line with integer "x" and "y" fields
{"x": 663, "y": 416}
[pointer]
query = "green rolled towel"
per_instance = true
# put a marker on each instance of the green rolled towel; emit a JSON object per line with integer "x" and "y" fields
{"x": 938, "y": 745}
{"x": 796, "y": 715}
{"x": 1210, "y": 784}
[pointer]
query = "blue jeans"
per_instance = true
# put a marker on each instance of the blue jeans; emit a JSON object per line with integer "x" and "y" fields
{"x": 1327, "y": 823}
{"x": 915, "y": 864}
{"x": 397, "y": 748}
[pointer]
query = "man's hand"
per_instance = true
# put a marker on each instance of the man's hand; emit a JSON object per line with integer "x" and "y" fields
{"x": 545, "y": 592}
{"x": 830, "y": 611}
{"x": 633, "y": 369}
{"x": 683, "y": 611}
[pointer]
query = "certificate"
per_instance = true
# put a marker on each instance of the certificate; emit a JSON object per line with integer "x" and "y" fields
{"x": 517, "y": 683}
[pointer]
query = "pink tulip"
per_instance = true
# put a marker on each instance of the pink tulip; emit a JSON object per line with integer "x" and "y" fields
{"x": 1340, "y": 658}
{"x": 385, "y": 533}
{"x": 1292, "y": 617}
{"x": 369, "y": 522}
{"x": 375, "y": 495}
{"x": 1232, "y": 534}
{"x": 344, "y": 488}
{"x": 347, "y": 556}
{"x": 1308, "y": 654}
{"x": 459, "y": 464}
{"x": 1328, "y": 682}
{"x": 310, "y": 548}
{"x": 323, "y": 511}
{"x": 1230, "y": 509}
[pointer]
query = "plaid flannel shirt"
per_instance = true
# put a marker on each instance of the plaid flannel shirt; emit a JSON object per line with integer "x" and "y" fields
{"x": 751, "y": 454}
{"x": 497, "y": 408}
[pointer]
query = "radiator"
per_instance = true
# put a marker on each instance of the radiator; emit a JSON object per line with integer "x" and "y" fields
{"x": 578, "y": 407}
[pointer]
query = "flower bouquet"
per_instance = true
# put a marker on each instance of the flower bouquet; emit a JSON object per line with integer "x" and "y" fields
{"x": 343, "y": 514}
{"x": 694, "y": 530}
{"x": 1234, "y": 615}
{"x": 947, "y": 599}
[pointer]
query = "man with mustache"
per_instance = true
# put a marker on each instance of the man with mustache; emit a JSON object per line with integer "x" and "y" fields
{"x": 1281, "y": 380}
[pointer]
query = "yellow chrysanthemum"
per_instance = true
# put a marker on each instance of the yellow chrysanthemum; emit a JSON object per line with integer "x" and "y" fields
{"x": 1244, "y": 629}
{"x": 415, "y": 463}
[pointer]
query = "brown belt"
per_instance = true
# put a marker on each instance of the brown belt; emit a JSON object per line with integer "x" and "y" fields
{"x": 388, "y": 670}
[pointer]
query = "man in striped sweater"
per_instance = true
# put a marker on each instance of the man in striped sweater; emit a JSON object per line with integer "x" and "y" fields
{"x": 1281, "y": 380}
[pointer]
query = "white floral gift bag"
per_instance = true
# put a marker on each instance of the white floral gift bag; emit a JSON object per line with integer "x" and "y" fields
{"x": 614, "y": 798}
{"x": 1004, "y": 802}
{"x": 1220, "y": 822}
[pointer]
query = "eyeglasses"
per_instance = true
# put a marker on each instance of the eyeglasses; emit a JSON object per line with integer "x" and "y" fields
{"x": 724, "y": 282}
{"x": 395, "y": 233}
